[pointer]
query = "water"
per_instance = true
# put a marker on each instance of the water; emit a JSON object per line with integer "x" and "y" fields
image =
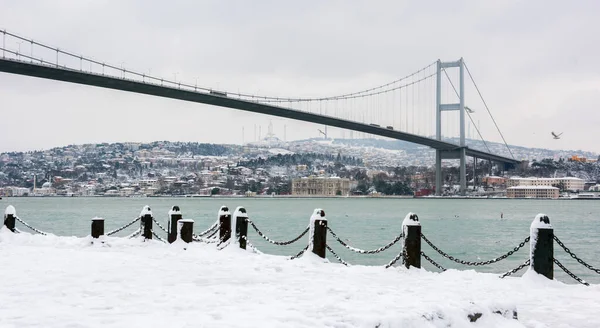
{"x": 469, "y": 229}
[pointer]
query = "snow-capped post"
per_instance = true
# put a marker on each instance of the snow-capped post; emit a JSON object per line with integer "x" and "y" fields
{"x": 541, "y": 254}
{"x": 240, "y": 217}
{"x": 318, "y": 232}
{"x": 146, "y": 222}
{"x": 225, "y": 224}
{"x": 185, "y": 229}
{"x": 9, "y": 217}
{"x": 174, "y": 216}
{"x": 97, "y": 227}
{"x": 411, "y": 251}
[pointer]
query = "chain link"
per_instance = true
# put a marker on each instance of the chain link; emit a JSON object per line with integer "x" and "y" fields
{"x": 249, "y": 244}
{"x": 581, "y": 281}
{"x": 394, "y": 260}
{"x": 526, "y": 263}
{"x": 135, "y": 234}
{"x": 452, "y": 258}
{"x": 124, "y": 227}
{"x": 435, "y": 264}
{"x": 30, "y": 227}
{"x": 212, "y": 234}
{"x": 279, "y": 243}
{"x": 158, "y": 237}
{"x": 336, "y": 256}
{"x": 299, "y": 253}
{"x": 211, "y": 228}
{"x": 361, "y": 251}
{"x": 575, "y": 256}
{"x": 158, "y": 224}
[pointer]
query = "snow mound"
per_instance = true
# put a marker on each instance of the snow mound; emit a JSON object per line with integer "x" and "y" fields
{"x": 132, "y": 283}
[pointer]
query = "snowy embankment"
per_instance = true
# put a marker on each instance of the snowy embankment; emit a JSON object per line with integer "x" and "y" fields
{"x": 50, "y": 281}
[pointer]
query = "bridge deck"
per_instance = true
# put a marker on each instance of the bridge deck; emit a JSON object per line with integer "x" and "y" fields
{"x": 111, "y": 82}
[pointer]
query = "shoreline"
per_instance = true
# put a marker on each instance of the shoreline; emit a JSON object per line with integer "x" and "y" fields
{"x": 303, "y": 197}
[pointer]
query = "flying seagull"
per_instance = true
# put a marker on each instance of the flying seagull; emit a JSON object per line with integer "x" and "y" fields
{"x": 556, "y": 136}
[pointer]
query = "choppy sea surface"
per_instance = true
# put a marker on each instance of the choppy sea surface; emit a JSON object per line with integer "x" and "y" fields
{"x": 468, "y": 229}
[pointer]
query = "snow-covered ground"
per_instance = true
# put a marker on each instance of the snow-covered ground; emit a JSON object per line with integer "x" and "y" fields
{"x": 48, "y": 281}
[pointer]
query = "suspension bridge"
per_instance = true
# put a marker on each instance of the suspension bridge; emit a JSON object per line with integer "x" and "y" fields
{"x": 424, "y": 107}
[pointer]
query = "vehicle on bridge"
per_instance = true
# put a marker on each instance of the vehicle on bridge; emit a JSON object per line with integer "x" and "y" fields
{"x": 218, "y": 93}
{"x": 389, "y": 127}
{"x": 373, "y": 124}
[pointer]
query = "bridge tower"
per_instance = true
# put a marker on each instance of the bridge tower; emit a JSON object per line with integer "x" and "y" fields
{"x": 459, "y": 153}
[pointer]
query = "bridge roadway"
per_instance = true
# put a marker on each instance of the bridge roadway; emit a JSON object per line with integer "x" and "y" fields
{"x": 449, "y": 150}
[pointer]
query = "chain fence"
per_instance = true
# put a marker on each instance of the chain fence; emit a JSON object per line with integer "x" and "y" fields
{"x": 158, "y": 237}
{"x": 582, "y": 262}
{"x": 299, "y": 253}
{"x": 279, "y": 243}
{"x": 526, "y": 263}
{"x": 159, "y": 226}
{"x": 135, "y": 234}
{"x": 394, "y": 260}
{"x": 30, "y": 227}
{"x": 124, "y": 227}
{"x": 469, "y": 263}
{"x": 216, "y": 225}
{"x": 430, "y": 260}
{"x": 336, "y": 256}
{"x": 571, "y": 274}
{"x": 361, "y": 251}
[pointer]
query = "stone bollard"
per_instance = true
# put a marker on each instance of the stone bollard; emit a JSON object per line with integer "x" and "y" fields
{"x": 10, "y": 215}
{"x": 174, "y": 216}
{"x": 411, "y": 251}
{"x": 185, "y": 230}
{"x": 541, "y": 254}
{"x": 240, "y": 220}
{"x": 97, "y": 227}
{"x": 318, "y": 233}
{"x": 225, "y": 224}
{"x": 146, "y": 222}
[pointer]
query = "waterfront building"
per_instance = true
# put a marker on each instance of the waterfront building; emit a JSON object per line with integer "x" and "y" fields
{"x": 320, "y": 186}
{"x": 532, "y": 192}
{"x": 568, "y": 183}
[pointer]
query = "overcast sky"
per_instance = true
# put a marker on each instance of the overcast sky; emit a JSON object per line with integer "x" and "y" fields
{"x": 536, "y": 63}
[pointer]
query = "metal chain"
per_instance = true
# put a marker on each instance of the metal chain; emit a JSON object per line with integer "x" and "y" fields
{"x": 279, "y": 243}
{"x": 299, "y": 253}
{"x": 526, "y": 263}
{"x": 575, "y": 256}
{"x": 452, "y": 258}
{"x": 124, "y": 227}
{"x": 225, "y": 243}
{"x": 158, "y": 237}
{"x": 158, "y": 224}
{"x": 435, "y": 264}
{"x": 336, "y": 256}
{"x": 212, "y": 234}
{"x": 357, "y": 250}
{"x": 394, "y": 260}
{"x": 249, "y": 244}
{"x": 211, "y": 228}
{"x": 581, "y": 281}
{"x": 135, "y": 234}
{"x": 30, "y": 227}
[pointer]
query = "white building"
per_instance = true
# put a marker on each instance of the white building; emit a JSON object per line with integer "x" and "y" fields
{"x": 532, "y": 192}
{"x": 569, "y": 183}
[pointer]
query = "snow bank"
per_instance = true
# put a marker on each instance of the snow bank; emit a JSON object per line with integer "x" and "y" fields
{"x": 66, "y": 282}
{"x": 10, "y": 210}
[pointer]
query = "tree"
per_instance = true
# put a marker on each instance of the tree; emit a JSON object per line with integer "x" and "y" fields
{"x": 215, "y": 191}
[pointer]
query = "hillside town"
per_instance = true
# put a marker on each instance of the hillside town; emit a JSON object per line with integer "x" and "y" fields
{"x": 272, "y": 167}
